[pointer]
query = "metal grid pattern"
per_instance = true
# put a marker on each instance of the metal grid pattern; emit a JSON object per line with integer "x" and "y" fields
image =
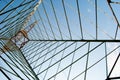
{"x": 70, "y": 41}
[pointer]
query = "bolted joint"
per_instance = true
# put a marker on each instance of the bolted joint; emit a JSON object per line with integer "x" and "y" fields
{"x": 109, "y": 1}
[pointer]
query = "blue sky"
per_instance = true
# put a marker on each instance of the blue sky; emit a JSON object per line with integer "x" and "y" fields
{"x": 43, "y": 29}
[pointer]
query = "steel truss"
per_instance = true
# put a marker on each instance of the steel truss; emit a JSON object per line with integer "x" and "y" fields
{"x": 66, "y": 42}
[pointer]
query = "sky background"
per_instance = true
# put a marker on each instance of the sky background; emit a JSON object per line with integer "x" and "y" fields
{"x": 47, "y": 29}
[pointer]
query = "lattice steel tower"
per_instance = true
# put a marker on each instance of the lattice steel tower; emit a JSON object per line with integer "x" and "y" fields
{"x": 59, "y": 40}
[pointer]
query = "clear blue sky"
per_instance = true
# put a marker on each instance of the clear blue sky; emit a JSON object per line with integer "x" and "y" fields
{"x": 106, "y": 30}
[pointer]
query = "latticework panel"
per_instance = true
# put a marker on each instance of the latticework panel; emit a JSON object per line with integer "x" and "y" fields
{"x": 59, "y": 40}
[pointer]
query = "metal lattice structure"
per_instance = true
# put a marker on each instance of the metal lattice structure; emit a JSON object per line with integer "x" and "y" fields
{"x": 59, "y": 40}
